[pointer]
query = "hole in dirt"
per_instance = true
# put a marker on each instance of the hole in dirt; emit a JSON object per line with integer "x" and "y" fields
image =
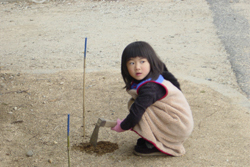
{"x": 101, "y": 148}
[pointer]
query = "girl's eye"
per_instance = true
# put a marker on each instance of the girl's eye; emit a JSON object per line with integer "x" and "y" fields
{"x": 131, "y": 63}
{"x": 143, "y": 61}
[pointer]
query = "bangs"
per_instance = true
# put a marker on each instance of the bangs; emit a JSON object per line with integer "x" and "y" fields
{"x": 134, "y": 50}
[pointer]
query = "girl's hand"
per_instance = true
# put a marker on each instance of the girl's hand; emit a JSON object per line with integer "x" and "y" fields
{"x": 117, "y": 127}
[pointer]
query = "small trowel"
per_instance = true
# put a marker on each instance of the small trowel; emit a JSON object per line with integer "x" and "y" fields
{"x": 100, "y": 123}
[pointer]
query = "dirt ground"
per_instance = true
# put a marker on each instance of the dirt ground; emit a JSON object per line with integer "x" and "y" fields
{"x": 41, "y": 82}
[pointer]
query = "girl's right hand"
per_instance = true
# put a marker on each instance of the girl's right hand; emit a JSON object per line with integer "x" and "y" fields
{"x": 117, "y": 127}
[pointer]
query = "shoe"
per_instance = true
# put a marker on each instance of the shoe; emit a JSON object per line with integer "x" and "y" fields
{"x": 145, "y": 151}
{"x": 141, "y": 142}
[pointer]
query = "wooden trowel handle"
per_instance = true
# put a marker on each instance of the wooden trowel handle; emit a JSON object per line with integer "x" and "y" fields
{"x": 109, "y": 123}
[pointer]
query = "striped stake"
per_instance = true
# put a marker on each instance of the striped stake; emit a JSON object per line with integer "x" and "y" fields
{"x": 85, "y": 52}
{"x": 68, "y": 141}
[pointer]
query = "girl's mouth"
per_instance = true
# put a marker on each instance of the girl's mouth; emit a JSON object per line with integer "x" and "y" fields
{"x": 137, "y": 74}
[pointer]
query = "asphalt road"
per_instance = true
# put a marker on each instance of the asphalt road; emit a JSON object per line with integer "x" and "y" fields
{"x": 233, "y": 30}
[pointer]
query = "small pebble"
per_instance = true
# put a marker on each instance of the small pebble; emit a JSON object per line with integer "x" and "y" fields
{"x": 15, "y": 108}
{"x": 50, "y": 160}
{"x": 29, "y": 153}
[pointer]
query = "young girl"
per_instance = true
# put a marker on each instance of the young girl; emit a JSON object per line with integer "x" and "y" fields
{"x": 159, "y": 112}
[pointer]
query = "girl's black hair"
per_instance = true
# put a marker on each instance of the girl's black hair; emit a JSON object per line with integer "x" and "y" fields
{"x": 157, "y": 67}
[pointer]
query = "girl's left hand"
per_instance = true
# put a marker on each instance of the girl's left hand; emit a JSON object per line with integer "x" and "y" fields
{"x": 117, "y": 127}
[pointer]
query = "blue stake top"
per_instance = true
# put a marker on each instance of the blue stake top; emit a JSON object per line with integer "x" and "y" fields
{"x": 68, "y": 125}
{"x": 85, "y": 48}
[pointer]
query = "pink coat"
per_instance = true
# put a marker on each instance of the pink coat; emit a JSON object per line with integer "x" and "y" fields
{"x": 167, "y": 123}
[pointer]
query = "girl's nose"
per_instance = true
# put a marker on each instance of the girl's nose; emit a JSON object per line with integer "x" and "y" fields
{"x": 137, "y": 66}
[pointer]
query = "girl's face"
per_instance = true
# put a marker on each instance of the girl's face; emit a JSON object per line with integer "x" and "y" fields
{"x": 138, "y": 67}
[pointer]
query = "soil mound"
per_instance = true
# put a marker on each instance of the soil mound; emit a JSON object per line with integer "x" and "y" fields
{"x": 102, "y": 147}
